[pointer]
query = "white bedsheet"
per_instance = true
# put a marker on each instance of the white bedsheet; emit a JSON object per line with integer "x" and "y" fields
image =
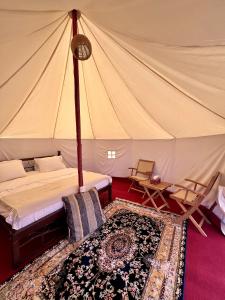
{"x": 36, "y": 179}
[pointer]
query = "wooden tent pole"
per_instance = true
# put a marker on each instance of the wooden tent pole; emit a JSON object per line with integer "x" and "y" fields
{"x": 77, "y": 104}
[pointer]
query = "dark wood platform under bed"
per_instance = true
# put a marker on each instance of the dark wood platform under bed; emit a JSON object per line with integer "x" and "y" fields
{"x": 31, "y": 241}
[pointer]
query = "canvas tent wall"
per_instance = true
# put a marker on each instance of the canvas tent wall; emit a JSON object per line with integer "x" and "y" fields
{"x": 153, "y": 88}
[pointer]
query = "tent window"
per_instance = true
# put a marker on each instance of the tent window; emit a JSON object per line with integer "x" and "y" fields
{"x": 111, "y": 154}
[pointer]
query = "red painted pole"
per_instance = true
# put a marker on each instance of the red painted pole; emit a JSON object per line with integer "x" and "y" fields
{"x": 77, "y": 105}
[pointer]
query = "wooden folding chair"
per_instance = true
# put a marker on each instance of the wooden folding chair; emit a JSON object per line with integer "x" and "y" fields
{"x": 143, "y": 171}
{"x": 190, "y": 199}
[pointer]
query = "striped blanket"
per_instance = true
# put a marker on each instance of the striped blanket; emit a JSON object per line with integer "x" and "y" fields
{"x": 84, "y": 214}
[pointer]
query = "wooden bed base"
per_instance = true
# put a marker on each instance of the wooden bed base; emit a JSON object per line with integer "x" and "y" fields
{"x": 31, "y": 241}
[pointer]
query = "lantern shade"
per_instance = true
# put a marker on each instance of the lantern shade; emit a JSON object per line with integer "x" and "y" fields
{"x": 81, "y": 47}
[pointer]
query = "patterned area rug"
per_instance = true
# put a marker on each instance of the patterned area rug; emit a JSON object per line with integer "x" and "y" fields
{"x": 137, "y": 254}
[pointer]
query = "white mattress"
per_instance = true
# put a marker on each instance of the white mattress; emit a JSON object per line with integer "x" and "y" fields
{"x": 35, "y": 179}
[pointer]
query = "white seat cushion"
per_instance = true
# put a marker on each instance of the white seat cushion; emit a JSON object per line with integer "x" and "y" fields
{"x": 137, "y": 178}
{"x": 180, "y": 194}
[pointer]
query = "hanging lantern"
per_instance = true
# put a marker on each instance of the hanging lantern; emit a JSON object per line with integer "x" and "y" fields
{"x": 81, "y": 47}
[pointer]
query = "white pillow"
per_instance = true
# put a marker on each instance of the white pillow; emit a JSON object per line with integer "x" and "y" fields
{"x": 11, "y": 169}
{"x": 47, "y": 164}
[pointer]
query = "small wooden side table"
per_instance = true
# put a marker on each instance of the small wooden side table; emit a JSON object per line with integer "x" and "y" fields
{"x": 158, "y": 191}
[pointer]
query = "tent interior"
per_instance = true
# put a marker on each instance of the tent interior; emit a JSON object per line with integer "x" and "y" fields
{"x": 153, "y": 88}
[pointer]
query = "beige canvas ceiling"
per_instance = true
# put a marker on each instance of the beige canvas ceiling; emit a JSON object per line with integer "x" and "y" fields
{"x": 157, "y": 69}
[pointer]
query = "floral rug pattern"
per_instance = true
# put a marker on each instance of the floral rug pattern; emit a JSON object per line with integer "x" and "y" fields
{"x": 137, "y": 254}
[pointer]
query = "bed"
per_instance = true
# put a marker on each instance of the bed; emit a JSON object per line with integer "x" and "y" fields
{"x": 31, "y": 207}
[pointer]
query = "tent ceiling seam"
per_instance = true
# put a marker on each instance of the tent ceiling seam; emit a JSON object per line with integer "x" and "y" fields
{"x": 47, "y": 25}
{"x": 41, "y": 75}
{"x": 32, "y": 11}
{"x": 117, "y": 71}
{"x": 85, "y": 88}
{"x": 107, "y": 92}
{"x": 35, "y": 52}
{"x": 161, "y": 76}
{"x": 64, "y": 76}
{"x": 145, "y": 40}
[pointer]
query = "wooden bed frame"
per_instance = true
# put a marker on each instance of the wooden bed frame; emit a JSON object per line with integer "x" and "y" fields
{"x": 31, "y": 241}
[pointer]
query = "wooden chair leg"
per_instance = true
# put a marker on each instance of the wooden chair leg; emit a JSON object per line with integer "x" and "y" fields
{"x": 188, "y": 212}
{"x": 143, "y": 195}
{"x": 163, "y": 199}
{"x": 135, "y": 186}
{"x": 132, "y": 183}
{"x": 204, "y": 217}
{"x": 150, "y": 198}
{"x": 197, "y": 226}
{"x": 182, "y": 217}
{"x": 186, "y": 215}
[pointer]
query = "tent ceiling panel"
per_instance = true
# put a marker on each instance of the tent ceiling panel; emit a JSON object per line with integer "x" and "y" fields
{"x": 157, "y": 69}
{"x": 195, "y": 71}
{"x": 173, "y": 110}
{"x": 135, "y": 121}
{"x": 16, "y": 24}
{"x": 36, "y": 115}
{"x": 102, "y": 113}
{"x": 65, "y": 126}
{"x": 17, "y": 88}
{"x": 174, "y": 22}
{"x": 26, "y": 47}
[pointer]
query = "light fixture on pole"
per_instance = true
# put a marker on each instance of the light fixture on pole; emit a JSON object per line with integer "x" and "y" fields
{"x": 81, "y": 47}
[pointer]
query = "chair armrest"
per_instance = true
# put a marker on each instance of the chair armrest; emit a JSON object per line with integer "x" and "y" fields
{"x": 188, "y": 189}
{"x": 195, "y": 183}
{"x": 132, "y": 170}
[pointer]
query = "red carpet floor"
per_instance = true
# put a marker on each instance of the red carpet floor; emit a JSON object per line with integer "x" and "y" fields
{"x": 205, "y": 257}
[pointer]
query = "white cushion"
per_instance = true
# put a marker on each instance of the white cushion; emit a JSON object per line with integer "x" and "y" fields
{"x": 11, "y": 169}
{"x": 138, "y": 178}
{"x": 47, "y": 164}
